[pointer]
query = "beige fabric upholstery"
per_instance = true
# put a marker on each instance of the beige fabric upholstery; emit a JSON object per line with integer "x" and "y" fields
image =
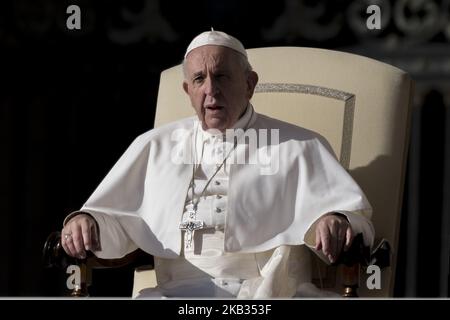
{"x": 144, "y": 277}
{"x": 360, "y": 105}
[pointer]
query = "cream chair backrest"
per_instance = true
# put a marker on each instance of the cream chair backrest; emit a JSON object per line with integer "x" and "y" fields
{"x": 359, "y": 104}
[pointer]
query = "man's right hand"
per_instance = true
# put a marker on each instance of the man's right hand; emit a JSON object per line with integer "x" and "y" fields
{"x": 79, "y": 235}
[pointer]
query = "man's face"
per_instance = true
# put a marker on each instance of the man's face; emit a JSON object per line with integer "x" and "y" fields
{"x": 218, "y": 86}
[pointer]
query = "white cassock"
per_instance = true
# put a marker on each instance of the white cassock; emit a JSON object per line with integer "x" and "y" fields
{"x": 257, "y": 210}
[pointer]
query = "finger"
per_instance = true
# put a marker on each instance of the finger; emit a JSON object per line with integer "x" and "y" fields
{"x": 333, "y": 230}
{"x": 348, "y": 238}
{"x": 68, "y": 241}
{"x": 95, "y": 238}
{"x": 325, "y": 239}
{"x": 86, "y": 234}
{"x": 318, "y": 239}
{"x": 341, "y": 238}
{"x": 77, "y": 239}
{"x": 63, "y": 243}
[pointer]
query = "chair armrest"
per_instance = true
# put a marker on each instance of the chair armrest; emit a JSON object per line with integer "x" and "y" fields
{"x": 54, "y": 256}
{"x": 357, "y": 253}
{"x": 360, "y": 256}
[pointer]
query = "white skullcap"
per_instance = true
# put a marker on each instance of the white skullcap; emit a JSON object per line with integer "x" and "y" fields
{"x": 216, "y": 38}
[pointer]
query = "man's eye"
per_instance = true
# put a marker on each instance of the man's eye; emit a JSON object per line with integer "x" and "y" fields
{"x": 198, "y": 79}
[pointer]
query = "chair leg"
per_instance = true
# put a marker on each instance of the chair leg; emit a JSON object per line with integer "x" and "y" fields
{"x": 350, "y": 280}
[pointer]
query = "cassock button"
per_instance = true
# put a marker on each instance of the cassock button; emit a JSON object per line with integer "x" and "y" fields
{"x": 217, "y": 183}
{"x": 218, "y": 210}
{"x": 218, "y": 196}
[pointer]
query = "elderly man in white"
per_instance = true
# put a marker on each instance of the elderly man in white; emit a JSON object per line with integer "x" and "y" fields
{"x": 220, "y": 228}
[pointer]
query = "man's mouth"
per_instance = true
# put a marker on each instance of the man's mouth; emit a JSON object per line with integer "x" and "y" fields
{"x": 214, "y": 108}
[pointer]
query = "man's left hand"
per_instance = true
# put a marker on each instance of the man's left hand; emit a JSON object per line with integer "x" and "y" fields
{"x": 333, "y": 233}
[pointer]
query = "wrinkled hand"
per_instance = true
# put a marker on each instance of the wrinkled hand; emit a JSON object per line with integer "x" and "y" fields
{"x": 79, "y": 235}
{"x": 333, "y": 233}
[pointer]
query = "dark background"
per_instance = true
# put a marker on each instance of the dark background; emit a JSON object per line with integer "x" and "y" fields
{"x": 71, "y": 101}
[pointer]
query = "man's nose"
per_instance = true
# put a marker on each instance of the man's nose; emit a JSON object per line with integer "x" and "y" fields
{"x": 211, "y": 87}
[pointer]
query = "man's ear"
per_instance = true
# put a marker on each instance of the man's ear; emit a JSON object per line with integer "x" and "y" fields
{"x": 252, "y": 80}
{"x": 186, "y": 87}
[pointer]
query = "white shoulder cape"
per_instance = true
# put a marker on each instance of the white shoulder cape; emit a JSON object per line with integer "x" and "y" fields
{"x": 141, "y": 200}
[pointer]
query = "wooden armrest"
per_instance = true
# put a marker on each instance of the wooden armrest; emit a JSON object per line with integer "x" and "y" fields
{"x": 349, "y": 265}
{"x": 54, "y": 256}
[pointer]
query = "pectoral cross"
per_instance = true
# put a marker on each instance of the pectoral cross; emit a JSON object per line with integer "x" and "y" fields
{"x": 189, "y": 227}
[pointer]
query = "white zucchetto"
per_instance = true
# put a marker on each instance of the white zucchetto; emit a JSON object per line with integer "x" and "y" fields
{"x": 216, "y": 38}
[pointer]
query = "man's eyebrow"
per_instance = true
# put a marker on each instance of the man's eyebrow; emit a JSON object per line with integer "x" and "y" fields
{"x": 196, "y": 74}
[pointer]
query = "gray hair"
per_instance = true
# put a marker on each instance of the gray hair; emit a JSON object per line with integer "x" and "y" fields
{"x": 243, "y": 62}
